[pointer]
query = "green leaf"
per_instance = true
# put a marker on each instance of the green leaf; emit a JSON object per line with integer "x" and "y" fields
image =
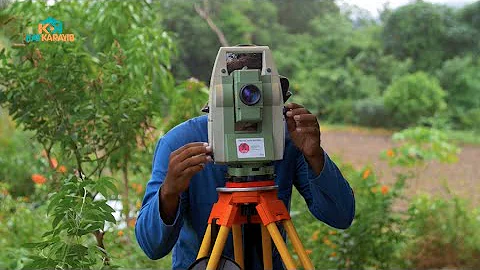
{"x": 109, "y": 217}
{"x": 78, "y": 250}
{"x": 40, "y": 245}
{"x": 56, "y": 221}
{"x": 53, "y": 202}
{"x": 108, "y": 182}
{"x": 107, "y": 208}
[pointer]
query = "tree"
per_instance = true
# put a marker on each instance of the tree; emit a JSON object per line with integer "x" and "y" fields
{"x": 428, "y": 33}
{"x": 470, "y": 16}
{"x": 297, "y": 16}
{"x": 92, "y": 100}
{"x": 239, "y": 22}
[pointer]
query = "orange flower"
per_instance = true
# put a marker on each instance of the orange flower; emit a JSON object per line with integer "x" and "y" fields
{"x": 333, "y": 254}
{"x": 374, "y": 189}
{"x": 384, "y": 189}
{"x": 308, "y": 251}
{"x": 332, "y": 232}
{"x": 315, "y": 235}
{"x": 366, "y": 174}
{"x": 131, "y": 222}
{"x": 120, "y": 233}
{"x": 139, "y": 189}
{"x": 390, "y": 153}
{"x": 53, "y": 163}
{"x": 62, "y": 169}
{"x": 38, "y": 179}
{"x": 326, "y": 241}
{"x": 4, "y": 192}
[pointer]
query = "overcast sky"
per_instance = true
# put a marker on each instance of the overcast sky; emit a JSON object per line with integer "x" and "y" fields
{"x": 374, "y": 5}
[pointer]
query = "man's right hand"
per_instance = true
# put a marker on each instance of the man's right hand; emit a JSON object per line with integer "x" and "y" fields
{"x": 183, "y": 164}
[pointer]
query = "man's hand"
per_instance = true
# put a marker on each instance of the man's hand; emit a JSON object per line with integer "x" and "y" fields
{"x": 183, "y": 164}
{"x": 305, "y": 133}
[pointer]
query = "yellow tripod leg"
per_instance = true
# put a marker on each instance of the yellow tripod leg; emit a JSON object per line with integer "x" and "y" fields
{"x": 205, "y": 246}
{"x": 266, "y": 249}
{"x": 238, "y": 244}
{"x": 218, "y": 248}
{"x": 297, "y": 244}
{"x": 281, "y": 246}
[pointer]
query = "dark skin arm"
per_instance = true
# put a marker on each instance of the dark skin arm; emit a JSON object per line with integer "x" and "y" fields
{"x": 305, "y": 133}
{"x": 183, "y": 164}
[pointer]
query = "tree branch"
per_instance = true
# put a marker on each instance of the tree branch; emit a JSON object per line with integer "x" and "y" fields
{"x": 205, "y": 14}
{"x": 99, "y": 237}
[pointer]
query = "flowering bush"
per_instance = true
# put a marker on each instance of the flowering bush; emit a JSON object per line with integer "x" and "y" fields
{"x": 418, "y": 146}
{"x": 444, "y": 232}
{"x": 375, "y": 235}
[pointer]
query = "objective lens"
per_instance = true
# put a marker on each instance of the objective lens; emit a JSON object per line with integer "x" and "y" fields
{"x": 250, "y": 94}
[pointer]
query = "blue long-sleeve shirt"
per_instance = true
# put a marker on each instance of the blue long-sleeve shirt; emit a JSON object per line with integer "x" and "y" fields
{"x": 328, "y": 196}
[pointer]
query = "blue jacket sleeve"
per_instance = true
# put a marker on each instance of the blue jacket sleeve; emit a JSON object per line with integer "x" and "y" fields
{"x": 328, "y": 195}
{"x": 154, "y": 236}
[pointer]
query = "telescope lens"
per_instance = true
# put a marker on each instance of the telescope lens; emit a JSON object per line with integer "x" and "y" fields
{"x": 250, "y": 94}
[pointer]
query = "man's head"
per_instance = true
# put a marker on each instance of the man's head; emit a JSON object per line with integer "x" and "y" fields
{"x": 254, "y": 61}
{"x": 251, "y": 61}
{"x": 239, "y": 61}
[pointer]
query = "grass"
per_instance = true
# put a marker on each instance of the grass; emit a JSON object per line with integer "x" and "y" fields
{"x": 356, "y": 129}
{"x": 464, "y": 137}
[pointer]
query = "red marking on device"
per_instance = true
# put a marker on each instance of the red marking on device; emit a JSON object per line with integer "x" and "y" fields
{"x": 243, "y": 148}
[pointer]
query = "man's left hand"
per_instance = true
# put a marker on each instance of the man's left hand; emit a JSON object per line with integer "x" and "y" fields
{"x": 305, "y": 133}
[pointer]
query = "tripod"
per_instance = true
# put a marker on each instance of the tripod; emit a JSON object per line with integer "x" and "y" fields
{"x": 229, "y": 213}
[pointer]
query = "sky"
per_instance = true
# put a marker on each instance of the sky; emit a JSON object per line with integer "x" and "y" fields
{"x": 374, "y": 5}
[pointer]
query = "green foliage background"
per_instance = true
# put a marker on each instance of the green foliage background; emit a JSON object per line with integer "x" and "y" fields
{"x": 98, "y": 105}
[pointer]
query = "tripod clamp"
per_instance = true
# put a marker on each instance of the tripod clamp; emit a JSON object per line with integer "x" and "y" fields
{"x": 245, "y": 189}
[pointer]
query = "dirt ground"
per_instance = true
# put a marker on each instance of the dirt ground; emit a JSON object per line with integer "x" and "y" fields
{"x": 463, "y": 177}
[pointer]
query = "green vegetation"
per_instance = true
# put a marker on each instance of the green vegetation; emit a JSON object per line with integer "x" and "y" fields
{"x": 412, "y": 97}
{"x": 79, "y": 121}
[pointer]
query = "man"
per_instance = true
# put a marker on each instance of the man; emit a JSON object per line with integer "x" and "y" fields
{"x": 182, "y": 188}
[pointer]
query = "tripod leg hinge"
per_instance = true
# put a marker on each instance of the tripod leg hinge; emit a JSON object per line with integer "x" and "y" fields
{"x": 272, "y": 211}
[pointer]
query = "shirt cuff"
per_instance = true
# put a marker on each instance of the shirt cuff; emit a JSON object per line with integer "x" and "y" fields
{"x": 158, "y": 207}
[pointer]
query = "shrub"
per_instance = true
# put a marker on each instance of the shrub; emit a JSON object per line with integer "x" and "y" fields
{"x": 21, "y": 221}
{"x": 17, "y": 158}
{"x": 413, "y": 97}
{"x": 444, "y": 232}
{"x": 461, "y": 80}
{"x": 371, "y": 112}
{"x": 419, "y": 145}
{"x": 375, "y": 236}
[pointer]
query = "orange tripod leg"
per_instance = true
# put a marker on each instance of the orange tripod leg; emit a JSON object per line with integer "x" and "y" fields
{"x": 205, "y": 246}
{"x": 297, "y": 244}
{"x": 281, "y": 246}
{"x": 266, "y": 249}
{"x": 218, "y": 248}
{"x": 238, "y": 244}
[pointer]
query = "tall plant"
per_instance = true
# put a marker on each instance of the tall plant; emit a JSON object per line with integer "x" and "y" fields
{"x": 90, "y": 100}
